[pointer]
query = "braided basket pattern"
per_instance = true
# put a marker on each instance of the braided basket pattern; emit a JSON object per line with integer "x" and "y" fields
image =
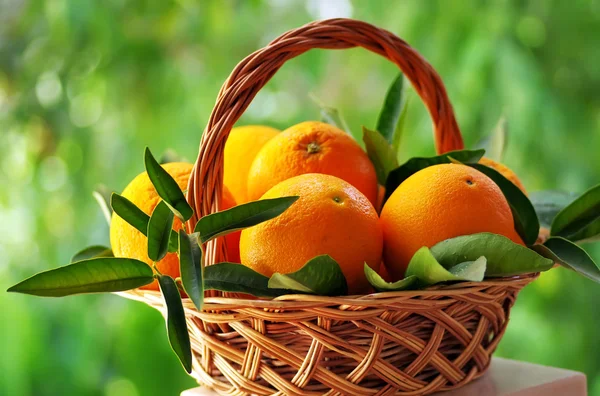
{"x": 394, "y": 343}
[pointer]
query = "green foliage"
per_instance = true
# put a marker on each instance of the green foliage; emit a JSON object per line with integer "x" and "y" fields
{"x": 237, "y": 278}
{"x": 381, "y": 285}
{"x": 98, "y": 275}
{"x": 524, "y": 216}
{"x": 191, "y": 267}
{"x": 176, "y": 323}
{"x": 548, "y": 203}
{"x": 331, "y": 115}
{"x": 380, "y": 153}
{"x": 167, "y": 188}
{"x": 321, "y": 275}
{"x": 504, "y": 257}
{"x": 159, "y": 231}
{"x": 580, "y": 220}
{"x": 92, "y": 252}
{"x": 571, "y": 256}
{"x": 241, "y": 216}
{"x": 429, "y": 271}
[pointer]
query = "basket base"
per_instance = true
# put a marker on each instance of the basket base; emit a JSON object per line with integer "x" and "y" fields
{"x": 504, "y": 378}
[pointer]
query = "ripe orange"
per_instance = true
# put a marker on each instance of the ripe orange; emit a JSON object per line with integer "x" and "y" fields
{"x": 504, "y": 171}
{"x": 330, "y": 217}
{"x": 437, "y": 203}
{"x": 312, "y": 147}
{"x": 126, "y": 241}
{"x": 241, "y": 147}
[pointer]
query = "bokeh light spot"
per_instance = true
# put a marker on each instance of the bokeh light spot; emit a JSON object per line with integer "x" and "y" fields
{"x": 53, "y": 173}
{"x": 120, "y": 387}
{"x": 531, "y": 31}
{"x": 48, "y": 89}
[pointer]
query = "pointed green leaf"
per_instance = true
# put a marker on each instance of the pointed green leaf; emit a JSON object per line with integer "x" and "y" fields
{"x": 504, "y": 257}
{"x": 167, "y": 188}
{"x": 237, "y": 278}
{"x": 401, "y": 123}
{"x": 548, "y": 203}
{"x": 381, "y": 285}
{"x": 571, "y": 256}
{"x": 106, "y": 274}
{"x": 92, "y": 252}
{"x": 190, "y": 267}
{"x": 177, "y": 331}
{"x": 429, "y": 271}
{"x": 127, "y": 210}
{"x": 495, "y": 143}
{"x": 580, "y": 220}
{"x": 391, "y": 111}
{"x": 159, "y": 231}
{"x": 241, "y": 216}
{"x": 413, "y": 165}
{"x": 102, "y": 196}
{"x": 321, "y": 275}
{"x": 380, "y": 153}
{"x": 331, "y": 115}
{"x": 524, "y": 216}
{"x": 133, "y": 215}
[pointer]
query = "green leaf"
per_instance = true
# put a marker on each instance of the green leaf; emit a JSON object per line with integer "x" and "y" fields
{"x": 127, "y": 210}
{"x": 429, "y": 271}
{"x": 190, "y": 267}
{"x": 413, "y": 165}
{"x": 237, "y": 278}
{"x": 138, "y": 219}
{"x": 241, "y": 216}
{"x": 321, "y": 275}
{"x": 102, "y": 196}
{"x": 495, "y": 143}
{"x": 92, "y": 252}
{"x": 391, "y": 111}
{"x": 106, "y": 274}
{"x": 571, "y": 256}
{"x": 179, "y": 337}
{"x": 159, "y": 231}
{"x": 331, "y": 115}
{"x": 167, "y": 188}
{"x": 524, "y": 216}
{"x": 548, "y": 203}
{"x": 380, "y": 153}
{"x": 381, "y": 285}
{"x": 401, "y": 124}
{"x": 504, "y": 257}
{"x": 580, "y": 220}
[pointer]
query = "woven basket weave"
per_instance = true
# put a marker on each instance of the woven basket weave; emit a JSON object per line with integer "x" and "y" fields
{"x": 395, "y": 343}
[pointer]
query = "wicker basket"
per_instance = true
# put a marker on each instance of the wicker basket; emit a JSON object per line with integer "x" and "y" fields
{"x": 395, "y": 343}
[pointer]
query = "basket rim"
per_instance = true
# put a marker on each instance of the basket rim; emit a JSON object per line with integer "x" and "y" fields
{"x": 299, "y": 301}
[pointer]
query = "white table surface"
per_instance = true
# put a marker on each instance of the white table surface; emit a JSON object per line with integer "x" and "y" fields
{"x": 504, "y": 378}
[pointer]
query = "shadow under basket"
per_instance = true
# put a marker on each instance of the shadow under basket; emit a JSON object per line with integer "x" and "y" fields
{"x": 394, "y": 343}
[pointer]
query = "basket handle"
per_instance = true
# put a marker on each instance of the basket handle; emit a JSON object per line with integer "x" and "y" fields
{"x": 252, "y": 73}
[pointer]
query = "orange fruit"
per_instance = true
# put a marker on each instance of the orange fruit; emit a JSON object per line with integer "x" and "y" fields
{"x": 437, "y": 203}
{"x": 241, "y": 147}
{"x": 330, "y": 217}
{"x": 126, "y": 241}
{"x": 504, "y": 171}
{"x": 312, "y": 147}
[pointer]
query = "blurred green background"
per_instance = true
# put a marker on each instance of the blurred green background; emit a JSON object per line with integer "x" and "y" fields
{"x": 86, "y": 85}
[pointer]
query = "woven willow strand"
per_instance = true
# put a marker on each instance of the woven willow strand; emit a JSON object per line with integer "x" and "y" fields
{"x": 394, "y": 343}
